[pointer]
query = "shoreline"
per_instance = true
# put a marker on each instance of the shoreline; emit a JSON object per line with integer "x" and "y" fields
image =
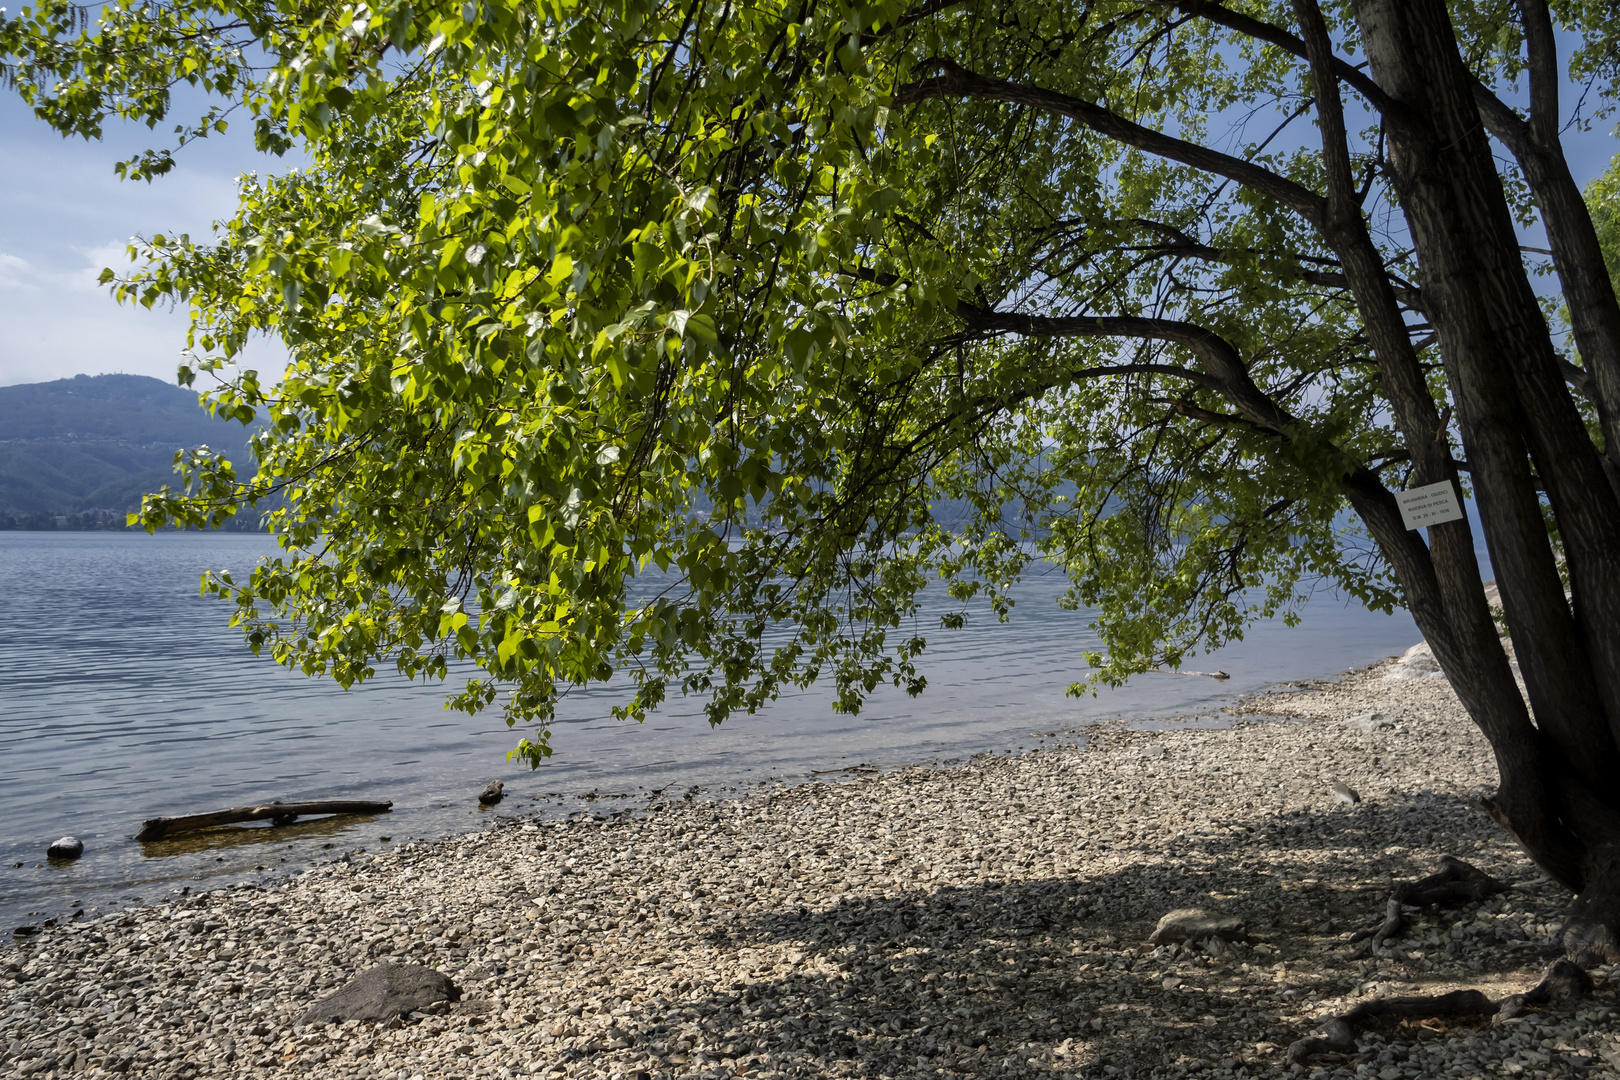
{"x": 986, "y": 917}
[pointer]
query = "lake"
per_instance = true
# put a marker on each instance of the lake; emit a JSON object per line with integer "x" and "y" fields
{"x": 126, "y": 697}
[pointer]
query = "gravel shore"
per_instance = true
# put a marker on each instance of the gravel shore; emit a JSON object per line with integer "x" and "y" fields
{"x": 987, "y": 918}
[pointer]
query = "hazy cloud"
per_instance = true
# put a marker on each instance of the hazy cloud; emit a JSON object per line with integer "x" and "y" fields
{"x": 67, "y": 216}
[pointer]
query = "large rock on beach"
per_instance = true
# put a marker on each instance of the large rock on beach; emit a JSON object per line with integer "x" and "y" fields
{"x": 384, "y": 992}
{"x": 1196, "y": 924}
{"x": 1418, "y": 662}
{"x": 1367, "y": 723}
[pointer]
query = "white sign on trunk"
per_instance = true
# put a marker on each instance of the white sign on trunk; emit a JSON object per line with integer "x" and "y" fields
{"x": 1430, "y": 504}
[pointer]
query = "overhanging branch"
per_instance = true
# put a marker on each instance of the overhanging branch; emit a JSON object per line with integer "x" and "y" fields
{"x": 958, "y": 82}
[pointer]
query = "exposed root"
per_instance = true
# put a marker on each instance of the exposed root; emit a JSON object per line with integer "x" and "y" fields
{"x": 1564, "y": 982}
{"x": 1340, "y": 1031}
{"x": 1589, "y": 943}
{"x": 1455, "y": 882}
{"x": 1394, "y": 923}
{"x": 1590, "y": 936}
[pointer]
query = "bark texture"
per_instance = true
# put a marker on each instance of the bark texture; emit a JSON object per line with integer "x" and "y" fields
{"x": 1521, "y": 431}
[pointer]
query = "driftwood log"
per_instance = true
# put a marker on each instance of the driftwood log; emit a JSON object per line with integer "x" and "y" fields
{"x": 278, "y": 813}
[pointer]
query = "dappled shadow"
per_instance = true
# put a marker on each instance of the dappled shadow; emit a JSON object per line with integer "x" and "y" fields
{"x": 1052, "y": 976}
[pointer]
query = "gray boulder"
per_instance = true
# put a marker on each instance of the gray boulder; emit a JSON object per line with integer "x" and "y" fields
{"x": 384, "y": 992}
{"x": 1196, "y": 924}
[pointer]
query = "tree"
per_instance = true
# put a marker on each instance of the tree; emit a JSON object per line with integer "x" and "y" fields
{"x": 560, "y": 273}
{"x": 1603, "y": 198}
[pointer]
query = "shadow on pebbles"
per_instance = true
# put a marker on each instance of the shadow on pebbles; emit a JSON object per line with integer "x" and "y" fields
{"x": 986, "y": 919}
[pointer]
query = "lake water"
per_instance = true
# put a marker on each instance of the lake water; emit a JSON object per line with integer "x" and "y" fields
{"x": 125, "y": 696}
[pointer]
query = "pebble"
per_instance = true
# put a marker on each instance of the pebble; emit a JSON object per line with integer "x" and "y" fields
{"x": 987, "y": 917}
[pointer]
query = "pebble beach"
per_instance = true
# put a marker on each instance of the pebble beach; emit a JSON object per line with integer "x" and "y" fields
{"x": 984, "y": 918}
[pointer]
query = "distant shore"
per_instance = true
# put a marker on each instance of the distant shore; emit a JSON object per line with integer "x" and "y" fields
{"x": 987, "y": 918}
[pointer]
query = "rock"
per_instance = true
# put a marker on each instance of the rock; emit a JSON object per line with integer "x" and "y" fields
{"x": 69, "y": 847}
{"x": 1195, "y": 924}
{"x": 492, "y": 794}
{"x": 384, "y": 992}
{"x": 1367, "y": 723}
{"x": 1345, "y": 793}
{"x": 1418, "y": 662}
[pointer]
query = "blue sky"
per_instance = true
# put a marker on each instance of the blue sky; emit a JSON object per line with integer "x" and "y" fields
{"x": 67, "y": 215}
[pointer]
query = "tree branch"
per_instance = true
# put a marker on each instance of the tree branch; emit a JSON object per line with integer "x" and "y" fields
{"x": 1183, "y": 244}
{"x": 1542, "y": 49}
{"x": 1276, "y": 35}
{"x": 1224, "y": 371}
{"x": 957, "y": 81}
{"x": 1577, "y": 255}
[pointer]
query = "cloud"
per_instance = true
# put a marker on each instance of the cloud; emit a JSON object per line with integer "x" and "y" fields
{"x": 16, "y": 273}
{"x": 62, "y": 322}
{"x": 97, "y": 259}
{"x": 65, "y": 220}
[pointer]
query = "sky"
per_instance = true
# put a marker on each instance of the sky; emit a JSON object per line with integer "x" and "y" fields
{"x": 67, "y": 216}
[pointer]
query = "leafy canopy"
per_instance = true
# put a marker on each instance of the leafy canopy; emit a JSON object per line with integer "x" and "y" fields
{"x": 651, "y": 339}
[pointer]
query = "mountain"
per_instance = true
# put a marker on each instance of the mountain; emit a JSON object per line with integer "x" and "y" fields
{"x": 80, "y": 452}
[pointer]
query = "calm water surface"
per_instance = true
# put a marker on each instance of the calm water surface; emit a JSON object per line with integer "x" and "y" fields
{"x": 125, "y": 696}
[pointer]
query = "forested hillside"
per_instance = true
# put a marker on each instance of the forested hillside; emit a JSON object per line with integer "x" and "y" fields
{"x": 78, "y": 453}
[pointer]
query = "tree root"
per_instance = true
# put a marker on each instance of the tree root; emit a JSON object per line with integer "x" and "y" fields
{"x": 1564, "y": 982}
{"x": 1455, "y": 882}
{"x": 1590, "y": 933}
{"x": 1394, "y": 923}
{"x": 1340, "y": 1031}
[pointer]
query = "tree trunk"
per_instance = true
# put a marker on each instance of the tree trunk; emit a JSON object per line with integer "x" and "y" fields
{"x": 1520, "y": 431}
{"x": 1577, "y": 255}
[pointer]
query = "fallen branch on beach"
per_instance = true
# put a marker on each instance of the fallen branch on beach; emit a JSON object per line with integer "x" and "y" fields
{"x": 277, "y": 813}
